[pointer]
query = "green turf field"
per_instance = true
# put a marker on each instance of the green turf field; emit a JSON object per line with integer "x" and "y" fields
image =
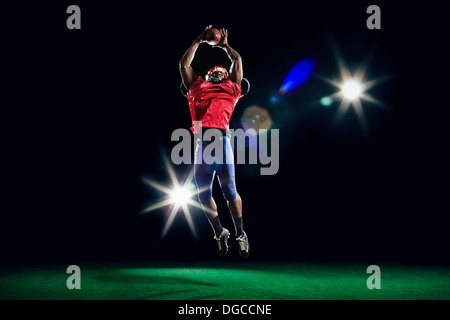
{"x": 244, "y": 280}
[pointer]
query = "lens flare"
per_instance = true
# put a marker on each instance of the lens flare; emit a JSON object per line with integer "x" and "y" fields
{"x": 351, "y": 89}
{"x": 256, "y": 117}
{"x": 297, "y": 75}
{"x": 179, "y": 195}
{"x": 326, "y": 101}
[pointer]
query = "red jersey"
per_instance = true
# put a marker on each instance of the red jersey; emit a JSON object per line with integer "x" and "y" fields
{"x": 213, "y": 103}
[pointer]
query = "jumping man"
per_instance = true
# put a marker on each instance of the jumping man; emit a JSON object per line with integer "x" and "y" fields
{"x": 212, "y": 101}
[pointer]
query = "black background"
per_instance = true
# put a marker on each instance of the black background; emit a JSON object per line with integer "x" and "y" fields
{"x": 87, "y": 114}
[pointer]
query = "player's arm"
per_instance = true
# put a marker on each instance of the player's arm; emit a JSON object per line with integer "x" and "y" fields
{"x": 187, "y": 72}
{"x": 236, "y": 72}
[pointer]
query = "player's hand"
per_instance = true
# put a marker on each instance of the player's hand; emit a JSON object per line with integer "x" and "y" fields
{"x": 201, "y": 37}
{"x": 224, "y": 41}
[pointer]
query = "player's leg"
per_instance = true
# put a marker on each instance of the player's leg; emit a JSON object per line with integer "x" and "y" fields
{"x": 204, "y": 175}
{"x": 235, "y": 206}
{"x": 203, "y": 180}
{"x": 226, "y": 174}
{"x": 234, "y": 201}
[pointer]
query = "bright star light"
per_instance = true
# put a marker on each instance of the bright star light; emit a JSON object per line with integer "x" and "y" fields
{"x": 180, "y": 196}
{"x": 353, "y": 88}
{"x": 177, "y": 196}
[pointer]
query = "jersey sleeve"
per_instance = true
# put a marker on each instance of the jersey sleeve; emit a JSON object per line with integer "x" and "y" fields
{"x": 237, "y": 91}
{"x": 194, "y": 86}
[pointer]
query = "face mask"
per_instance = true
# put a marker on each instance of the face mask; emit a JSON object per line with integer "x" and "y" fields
{"x": 214, "y": 79}
{"x": 213, "y": 71}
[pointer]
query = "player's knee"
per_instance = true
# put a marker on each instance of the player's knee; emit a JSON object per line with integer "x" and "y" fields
{"x": 205, "y": 197}
{"x": 230, "y": 193}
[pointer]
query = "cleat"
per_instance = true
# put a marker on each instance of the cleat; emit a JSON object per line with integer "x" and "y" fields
{"x": 222, "y": 242}
{"x": 243, "y": 245}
